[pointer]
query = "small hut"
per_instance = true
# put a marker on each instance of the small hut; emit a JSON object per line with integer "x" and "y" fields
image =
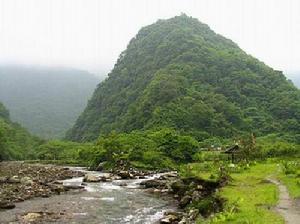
{"x": 232, "y": 151}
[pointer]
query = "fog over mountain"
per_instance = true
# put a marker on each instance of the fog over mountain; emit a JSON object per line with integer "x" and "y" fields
{"x": 91, "y": 34}
{"x": 294, "y": 77}
{"x": 45, "y": 100}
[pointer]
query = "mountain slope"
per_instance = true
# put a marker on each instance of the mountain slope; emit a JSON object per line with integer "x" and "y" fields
{"x": 15, "y": 141}
{"x": 179, "y": 73}
{"x": 46, "y": 101}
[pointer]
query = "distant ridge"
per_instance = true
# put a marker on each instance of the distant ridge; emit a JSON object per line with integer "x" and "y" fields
{"x": 45, "y": 100}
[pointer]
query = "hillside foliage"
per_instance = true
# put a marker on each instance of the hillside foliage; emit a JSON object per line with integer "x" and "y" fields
{"x": 179, "y": 74}
{"x": 15, "y": 141}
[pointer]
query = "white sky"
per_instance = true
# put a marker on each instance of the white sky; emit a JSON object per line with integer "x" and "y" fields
{"x": 90, "y": 34}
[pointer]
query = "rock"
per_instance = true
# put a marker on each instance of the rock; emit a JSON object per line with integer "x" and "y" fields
{"x": 176, "y": 196}
{"x": 171, "y": 174}
{"x": 115, "y": 177}
{"x": 185, "y": 201}
{"x": 31, "y": 217}
{"x": 26, "y": 181}
{"x": 3, "y": 180}
{"x": 156, "y": 191}
{"x": 184, "y": 221}
{"x": 6, "y": 205}
{"x": 122, "y": 184}
{"x": 106, "y": 177}
{"x": 193, "y": 213}
{"x": 165, "y": 191}
{"x": 100, "y": 166}
{"x": 73, "y": 187}
{"x": 151, "y": 183}
{"x": 199, "y": 187}
{"x": 196, "y": 196}
{"x": 57, "y": 182}
{"x": 178, "y": 187}
{"x": 57, "y": 188}
{"x": 14, "y": 180}
{"x": 171, "y": 218}
{"x": 91, "y": 178}
{"x": 125, "y": 175}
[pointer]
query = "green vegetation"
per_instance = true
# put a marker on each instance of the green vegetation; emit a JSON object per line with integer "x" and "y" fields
{"x": 290, "y": 176}
{"x": 251, "y": 195}
{"x": 15, "y": 141}
{"x": 63, "y": 152}
{"x": 46, "y": 101}
{"x": 178, "y": 73}
{"x": 147, "y": 150}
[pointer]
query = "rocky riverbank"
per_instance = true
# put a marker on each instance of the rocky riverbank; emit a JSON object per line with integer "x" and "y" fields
{"x": 20, "y": 181}
{"x": 196, "y": 197}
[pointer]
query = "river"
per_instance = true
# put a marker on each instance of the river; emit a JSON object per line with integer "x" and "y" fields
{"x": 101, "y": 203}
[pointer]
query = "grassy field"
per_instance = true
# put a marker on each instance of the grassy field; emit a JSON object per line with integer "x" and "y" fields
{"x": 249, "y": 196}
{"x": 290, "y": 176}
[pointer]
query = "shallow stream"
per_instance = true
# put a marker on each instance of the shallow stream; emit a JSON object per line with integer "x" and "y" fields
{"x": 103, "y": 202}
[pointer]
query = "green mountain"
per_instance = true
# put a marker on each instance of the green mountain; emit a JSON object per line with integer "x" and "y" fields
{"x": 179, "y": 73}
{"x": 45, "y": 100}
{"x": 15, "y": 141}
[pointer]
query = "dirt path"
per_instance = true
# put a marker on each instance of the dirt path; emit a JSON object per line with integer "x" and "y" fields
{"x": 287, "y": 207}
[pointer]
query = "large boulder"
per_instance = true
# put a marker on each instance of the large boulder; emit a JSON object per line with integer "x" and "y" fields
{"x": 14, "y": 180}
{"x": 169, "y": 219}
{"x": 125, "y": 174}
{"x": 91, "y": 178}
{"x": 152, "y": 183}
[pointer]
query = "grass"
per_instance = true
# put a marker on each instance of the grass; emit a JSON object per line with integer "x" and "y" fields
{"x": 292, "y": 183}
{"x": 290, "y": 176}
{"x": 249, "y": 197}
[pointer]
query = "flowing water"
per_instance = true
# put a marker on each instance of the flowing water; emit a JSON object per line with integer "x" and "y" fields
{"x": 103, "y": 202}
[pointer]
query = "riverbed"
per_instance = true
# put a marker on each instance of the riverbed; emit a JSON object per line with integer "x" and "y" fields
{"x": 119, "y": 201}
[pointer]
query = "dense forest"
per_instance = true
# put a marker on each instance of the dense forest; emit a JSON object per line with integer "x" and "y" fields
{"x": 179, "y": 74}
{"x": 15, "y": 141}
{"x": 45, "y": 100}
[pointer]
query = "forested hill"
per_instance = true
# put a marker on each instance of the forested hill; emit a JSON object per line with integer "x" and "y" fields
{"x": 179, "y": 73}
{"x": 15, "y": 141}
{"x": 45, "y": 100}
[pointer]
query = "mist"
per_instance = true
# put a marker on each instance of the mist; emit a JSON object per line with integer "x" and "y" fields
{"x": 91, "y": 34}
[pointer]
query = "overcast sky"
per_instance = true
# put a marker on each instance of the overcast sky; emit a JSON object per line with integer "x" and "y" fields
{"x": 90, "y": 34}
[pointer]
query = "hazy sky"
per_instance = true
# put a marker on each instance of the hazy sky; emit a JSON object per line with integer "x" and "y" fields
{"x": 90, "y": 34}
